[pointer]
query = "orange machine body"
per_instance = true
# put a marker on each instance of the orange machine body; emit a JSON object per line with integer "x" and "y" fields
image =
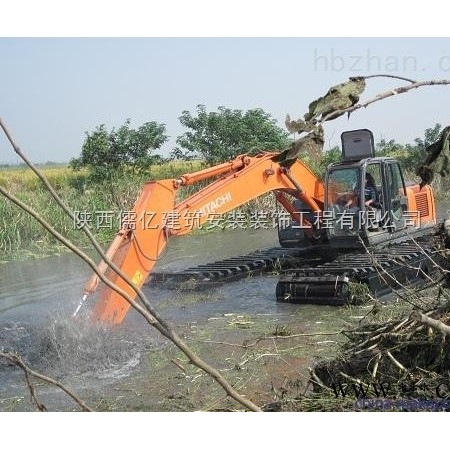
{"x": 157, "y": 216}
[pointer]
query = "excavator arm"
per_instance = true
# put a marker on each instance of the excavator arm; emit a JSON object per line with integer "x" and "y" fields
{"x": 156, "y": 216}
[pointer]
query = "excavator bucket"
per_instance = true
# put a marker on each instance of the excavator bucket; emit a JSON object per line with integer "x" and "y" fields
{"x": 135, "y": 250}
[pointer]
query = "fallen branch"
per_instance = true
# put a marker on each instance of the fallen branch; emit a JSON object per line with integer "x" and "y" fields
{"x": 180, "y": 366}
{"x": 433, "y": 323}
{"x": 375, "y": 366}
{"x": 382, "y": 273}
{"x": 317, "y": 380}
{"x": 396, "y": 362}
{"x": 356, "y": 381}
{"x": 17, "y": 360}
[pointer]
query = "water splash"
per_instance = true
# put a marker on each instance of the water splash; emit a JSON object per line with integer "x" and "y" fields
{"x": 67, "y": 347}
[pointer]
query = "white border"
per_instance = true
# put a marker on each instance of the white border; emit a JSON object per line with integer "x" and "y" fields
{"x": 286, "y": 18}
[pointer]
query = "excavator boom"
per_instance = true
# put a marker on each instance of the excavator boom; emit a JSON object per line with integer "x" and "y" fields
{"x": 156, "y": 216}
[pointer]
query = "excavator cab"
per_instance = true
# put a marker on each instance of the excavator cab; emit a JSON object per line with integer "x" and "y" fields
{"x": 367, "y": 198}
{"x": 364, "y": 199}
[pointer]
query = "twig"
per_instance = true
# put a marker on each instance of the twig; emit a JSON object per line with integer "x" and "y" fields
{"x": 17, "y": 360}
{"x": 400, "y": 325}
{"x": 180, "y": 366}
{"x": 397, "y": 363}
{"x": 384, "y": 75}
{"x": 382, "y": 271}
{"x": 374, "y": 337}
{"x": 262, "y": 355}
{"x": 375, "y": 366}
{"x": 248, "y": 344}
{"x": 317, "y": 379}
{"x": 435, "y": 264}
{"x": 353, "y": 380}
{"x": 333, "y": 333}
{"x": 231, "y": 344}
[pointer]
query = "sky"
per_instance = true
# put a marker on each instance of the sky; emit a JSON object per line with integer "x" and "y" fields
{"x": 54, "y": 90}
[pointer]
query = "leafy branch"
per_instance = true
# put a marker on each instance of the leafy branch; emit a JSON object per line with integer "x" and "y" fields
{"x": 340, "y": 99}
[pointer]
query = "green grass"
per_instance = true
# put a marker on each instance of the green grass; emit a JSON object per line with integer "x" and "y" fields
{"x": 22, "y": 237}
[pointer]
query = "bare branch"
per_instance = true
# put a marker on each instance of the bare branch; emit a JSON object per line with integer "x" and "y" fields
{"x": 317, "y": 380}
{"x": 248, "y": 344}
{"x": 436, "y": 324}
{"x": 353, "y": 380}
{"x": 375, "y": 366}
{"x": 384, "y": 75}
{"x": 383, "y": 273}
{"x": 396, "y": 362}
{"x": 17, "y": 360}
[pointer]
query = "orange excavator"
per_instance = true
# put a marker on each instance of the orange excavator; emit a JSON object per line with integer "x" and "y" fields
{"x": 364, "y": 203}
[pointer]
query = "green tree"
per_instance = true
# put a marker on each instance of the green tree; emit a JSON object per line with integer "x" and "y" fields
{"x": 416, "y": 154}
{"x": 319, "y": 163}
{"x": 109, "y": 153}
{"x": 223, "y": 135}
{"x": 389, "y": 148}
{"x": 409, "y": 155}
{"x": 431, "y": 135}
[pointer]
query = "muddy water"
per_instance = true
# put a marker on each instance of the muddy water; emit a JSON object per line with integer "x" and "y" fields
{"x": 129, "y": 366}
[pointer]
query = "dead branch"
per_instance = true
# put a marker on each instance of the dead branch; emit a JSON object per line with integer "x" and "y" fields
{"x": 353, "y": 380}
{"x": 435, "y": 264}
{"x": 396, "y": 362}
{"x": 436, "y": 324}
{"x": 317, "y": 380}
{"x": 385, "y": 75}
{"x": 375, "y": 366}
{"x": 180, "y": 366}
{"x": 382, "y": 273}
{"x": 373, "y": 351}
{"x": 17, "y": 360}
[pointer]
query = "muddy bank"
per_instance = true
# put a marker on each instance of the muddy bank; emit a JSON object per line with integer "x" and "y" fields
{"x": 264, "y": 355}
